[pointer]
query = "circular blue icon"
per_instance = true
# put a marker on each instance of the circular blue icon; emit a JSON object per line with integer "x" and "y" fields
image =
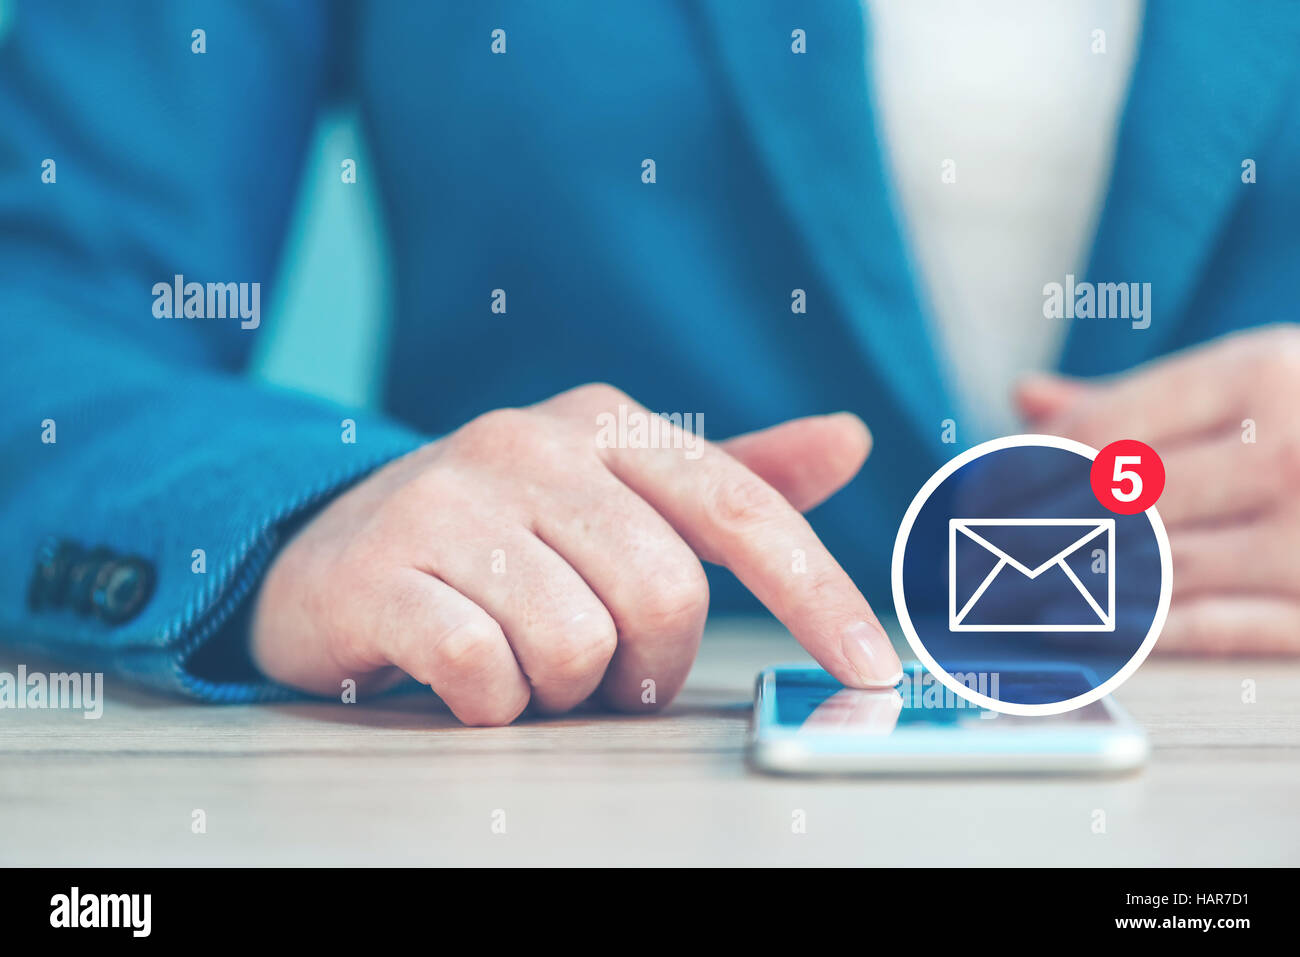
{"x": 1007, "y": 559}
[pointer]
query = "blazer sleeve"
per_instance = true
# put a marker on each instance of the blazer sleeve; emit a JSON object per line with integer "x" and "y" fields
{"x": 146, "y": 484}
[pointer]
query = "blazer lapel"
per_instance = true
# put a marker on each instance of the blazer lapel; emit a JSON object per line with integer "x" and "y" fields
{"x": 1208, "y": 80}
{"x": 811, "y": 119}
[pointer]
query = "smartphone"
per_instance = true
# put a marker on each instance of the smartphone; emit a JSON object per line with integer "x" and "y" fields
{"x": 806, "y": 722}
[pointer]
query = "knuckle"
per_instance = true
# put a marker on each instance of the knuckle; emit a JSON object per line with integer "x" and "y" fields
{"x": 742, "y": 503}
{"x": 826, "y": 589}
{"x": 678, "y": 606}
{"x": 578, "y": 650}
{"x": 464, "y": 651}
{"x": 509, "y": 442}
{"x": 501, "y": 431}
{"x": 600, "y": 395}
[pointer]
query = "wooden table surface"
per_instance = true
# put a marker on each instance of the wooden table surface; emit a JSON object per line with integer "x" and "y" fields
{"x": 397, "y": 781}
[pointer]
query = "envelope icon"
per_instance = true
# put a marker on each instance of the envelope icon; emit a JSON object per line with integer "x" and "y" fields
{"x": 1090, "y": 532}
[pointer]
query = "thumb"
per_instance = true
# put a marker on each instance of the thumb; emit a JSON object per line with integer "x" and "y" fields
{"x": 806, "y": 460}
{"x": 1043, "y": 395}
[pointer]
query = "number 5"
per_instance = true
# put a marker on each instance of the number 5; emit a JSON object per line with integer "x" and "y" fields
{"x": 1122, "y": 474}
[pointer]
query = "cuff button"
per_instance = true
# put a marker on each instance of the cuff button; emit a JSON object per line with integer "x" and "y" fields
{"x": 80, "y": 580}
{"x": 121, "y": 589}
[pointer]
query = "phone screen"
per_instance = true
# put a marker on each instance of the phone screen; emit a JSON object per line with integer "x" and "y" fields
{"x": 811, "y": 700}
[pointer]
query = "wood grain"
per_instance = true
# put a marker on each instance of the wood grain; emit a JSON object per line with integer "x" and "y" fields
{"x": 398, "y": 781}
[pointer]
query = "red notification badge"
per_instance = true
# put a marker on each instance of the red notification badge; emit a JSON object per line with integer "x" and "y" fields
{"x": 1127, "y": 477}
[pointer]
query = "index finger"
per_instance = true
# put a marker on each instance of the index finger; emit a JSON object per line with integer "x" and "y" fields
{"x": 732, "y": 517}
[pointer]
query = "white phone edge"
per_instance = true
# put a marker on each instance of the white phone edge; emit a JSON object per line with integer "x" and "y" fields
{"x": 777, "y": 750}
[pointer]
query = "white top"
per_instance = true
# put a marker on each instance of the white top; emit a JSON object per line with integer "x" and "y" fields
{"x": 1012, "y": 93}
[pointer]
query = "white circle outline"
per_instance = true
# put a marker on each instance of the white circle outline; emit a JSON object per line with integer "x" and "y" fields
{"x": 914, "y": 640}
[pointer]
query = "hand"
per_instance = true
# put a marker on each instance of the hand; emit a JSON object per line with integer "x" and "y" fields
{"x": 1223, "y": 418}
{"x": 516, "y": 560}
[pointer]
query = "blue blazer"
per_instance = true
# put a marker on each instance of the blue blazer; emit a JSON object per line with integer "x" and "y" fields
{"x": 131, "y": 441}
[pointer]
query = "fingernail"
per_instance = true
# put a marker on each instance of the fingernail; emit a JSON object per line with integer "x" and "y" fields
{"x": 867, "y": 648}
